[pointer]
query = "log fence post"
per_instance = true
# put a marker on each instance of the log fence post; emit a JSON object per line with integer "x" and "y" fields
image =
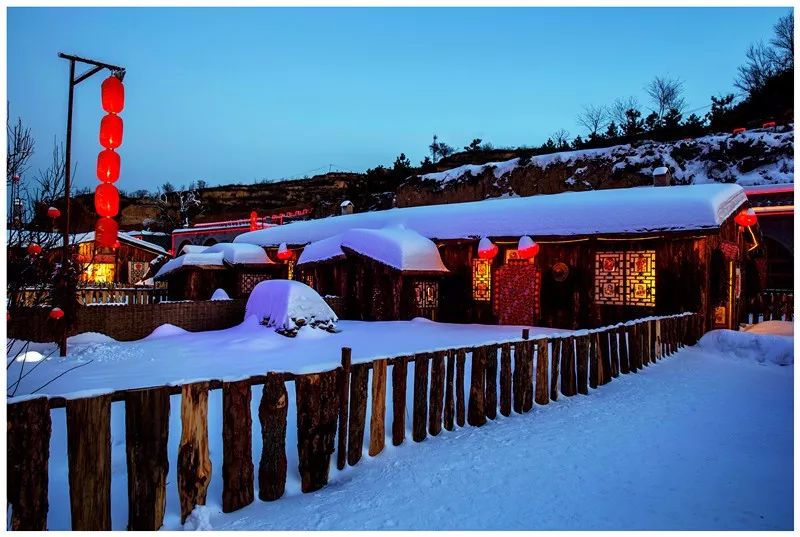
{"x": 490, "y": 396}
{"x": 344, "y": 402}
{"x": 28, "y": 451}
{"x": 272, "y": 413}
{"x": 194, "y": 462}
{"x": 399, "y": 374}
{"x": 377, "y": 427}
{"x": 237, "y": 450}
{"x": 449, "y": 401}
{"x": 436, "y": 394}
{"x": 476, "y": 412}
{"x": 420, "y": 417}
{"x": 505, "y": 379}
{"x": 317, "y": 416}
{"x": 359, "y": 379}
{"x": 542, "y": 395}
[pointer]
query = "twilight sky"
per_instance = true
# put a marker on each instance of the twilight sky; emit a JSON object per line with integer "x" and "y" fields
{"x": 241, "y": 94}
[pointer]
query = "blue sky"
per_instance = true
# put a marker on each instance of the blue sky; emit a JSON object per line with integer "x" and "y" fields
{"x": 241, "y": 94}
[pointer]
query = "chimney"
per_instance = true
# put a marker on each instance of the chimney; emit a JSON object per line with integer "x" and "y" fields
{"x": 347, "y": 207}
{"x": 662, "y": 176}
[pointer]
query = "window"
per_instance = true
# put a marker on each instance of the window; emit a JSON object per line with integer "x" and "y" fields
{"x": 625, "y": 278}
{"x": 482, "y": 280}
{"x": 426, "y": 294}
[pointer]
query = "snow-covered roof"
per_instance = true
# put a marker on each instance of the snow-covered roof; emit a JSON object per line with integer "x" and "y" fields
{"x": 661, "y": 170}
{"x": 192, "y": 249}
{"x": 322, "y": 250}
{"x": 635, "y": 210}
{"x": 240, "y": 254}
{"x": 345, "y": 203}
{"x": 191, "y": 260}
{"x": 398, "y": 247}
{"x": 80, "y": 238}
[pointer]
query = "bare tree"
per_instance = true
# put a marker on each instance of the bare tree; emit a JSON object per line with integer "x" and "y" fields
{"x": 20, "y": 147}
{"x": 666, "y": 94}
{"x": 177, "y": 207}
{"x": 561, "y": 138}
{"x": 593, "y": 118}
{"x": 618, "y": 111}
{"x": 783, "y": 41}
{"x": 761, "y": 64}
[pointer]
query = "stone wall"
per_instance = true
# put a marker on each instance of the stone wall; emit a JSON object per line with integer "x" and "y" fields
{"x": 127, "y": 323}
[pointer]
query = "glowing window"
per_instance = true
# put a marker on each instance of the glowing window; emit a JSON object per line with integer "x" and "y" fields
{"x": 99, "y": 273}
{"x": 625, "y": 278}
{"x": 426, "y": 294}
{"x": 482, "y": 280}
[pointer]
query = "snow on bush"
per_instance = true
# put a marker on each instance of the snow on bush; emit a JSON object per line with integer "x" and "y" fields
{"x": 220, "y": 294}
{"x": 750, "y": 346}
{"x": 166, "y": 330}
{"x": 287, "y": 306}
{"x": 776, "y": 328}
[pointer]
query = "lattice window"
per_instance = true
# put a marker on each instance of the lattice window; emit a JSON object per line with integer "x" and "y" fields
{"x": 137, "y": 270}
{"x": 426, "y": 294}
{"x": 290, "y": 269}
{"x": 625, "y": 278}
{"x": 641, "y": 278}
{"x": 481, "y": 280}
{"x": 609, "y": 278}
{"x": 248, "y": 281}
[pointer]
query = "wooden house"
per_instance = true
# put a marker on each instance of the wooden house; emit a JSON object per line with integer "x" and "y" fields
{"x": 604, "y": 256}
{"x": 235, "y": 268}
{"x": 375, "y": 274}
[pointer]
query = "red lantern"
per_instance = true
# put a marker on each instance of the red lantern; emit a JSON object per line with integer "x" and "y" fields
{"x": 111, "y": 131}
{"x": 108, "y": 166}
{"x": 487, "y": 249}
{"x": 106, "y": 200}
{"x": 53, "y": 213}
{"x": 746, "y": 218}
{"x": 284, "y": 253}
{"x": 34, "y": 249}
{"x": 15, "y": 178}
{"x": 105, "y": 232}
{"x": 112, "y": 95}
{"x": 56, "y": 313}
{"x": 253, "y": 220}
{"x": 116, "y": 245}
{"x": 527, "y": 248}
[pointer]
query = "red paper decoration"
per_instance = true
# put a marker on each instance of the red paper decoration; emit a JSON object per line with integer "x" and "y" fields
{"x": 284, "y": 253}
{"x": 487, "y": 249}
{"x": 56, "y": 313}
{"x": 111, "y": 131}
{"x": 112, "y": 95}
{"x": 746, "y": 218}
{"x": 106, "y": 200}
{"x": 105, "y": 232}
{"x": 53, "y": 213}
{"x": 108, "y": 166}
{"x": 34, "y": 249}
{"x": 253, "y": 220}
{"x": 527, "y": 248}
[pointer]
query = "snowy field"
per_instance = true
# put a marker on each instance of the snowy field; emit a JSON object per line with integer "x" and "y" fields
{"x": 700, "y": 440}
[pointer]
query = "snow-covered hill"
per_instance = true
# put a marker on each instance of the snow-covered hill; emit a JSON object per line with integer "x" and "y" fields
{"x": 756, "y": 157}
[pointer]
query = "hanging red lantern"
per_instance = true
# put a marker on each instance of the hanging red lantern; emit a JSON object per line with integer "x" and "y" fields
{"x": 108, "y": 166}
{"x": 15, "y": 178}
{"x": 111, "y": 131}
{"x": 253, "y": 220}
{"x": 527, "y": 248}
{"x": 53, "y": 213}
{"x": 284, "y": 253}
{"x": 746, "y": 218}
{"x": 106, "y": 200}
{"x": 105, "y": 232}
{"x": 487, "y": 249}
{"x": 34, "y": 249}
{"x": 112, "y": 95}
{"x": 116, "y": 244}
{"x": 56, "y": 313}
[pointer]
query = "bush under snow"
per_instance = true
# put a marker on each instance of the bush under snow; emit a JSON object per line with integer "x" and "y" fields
{"x": 287, "y": 306}
{"x": 750, "y": 346}
{"x": 220, "y": 294}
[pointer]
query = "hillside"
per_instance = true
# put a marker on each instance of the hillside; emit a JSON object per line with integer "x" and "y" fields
{"x": 751, "y": 158}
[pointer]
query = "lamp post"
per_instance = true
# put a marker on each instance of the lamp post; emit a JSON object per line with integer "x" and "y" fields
{"x": 95, "y": 68}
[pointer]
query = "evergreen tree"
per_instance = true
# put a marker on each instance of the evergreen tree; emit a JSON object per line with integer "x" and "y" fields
{"x": 720, "y": 108}
{"x": 652, "y": 122}
{"x": 633, "y": 123}
{"x": 402, "y": 163}
{"x": 672, "y": 119}
{"x": 611, "y": 130}
{"x": 475, "y": 145}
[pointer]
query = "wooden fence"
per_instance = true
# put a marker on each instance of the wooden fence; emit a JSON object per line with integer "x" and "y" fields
{"x": 770, "y": 305}
{"x": 542, "y": 369}
{"x": 103, "y": 295}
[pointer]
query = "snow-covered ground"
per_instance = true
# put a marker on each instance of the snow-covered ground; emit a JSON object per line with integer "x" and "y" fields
{"x": 700, "y": 440}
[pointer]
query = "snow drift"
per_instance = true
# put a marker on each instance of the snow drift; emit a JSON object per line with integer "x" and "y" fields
{"x": 287, "y": 306}
{"x": 750, "y": 346}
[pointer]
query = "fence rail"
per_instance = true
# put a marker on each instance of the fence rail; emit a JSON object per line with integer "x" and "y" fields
{"x": 331, "y": 414}
{"x": 102, "y": 295}
{"x": 770, "y": 305}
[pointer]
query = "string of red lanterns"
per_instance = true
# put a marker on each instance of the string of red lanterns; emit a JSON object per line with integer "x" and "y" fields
{"x": 106, "y": 197}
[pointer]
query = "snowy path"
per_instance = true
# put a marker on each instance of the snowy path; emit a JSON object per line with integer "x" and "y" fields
{"x": 698, "y": 441}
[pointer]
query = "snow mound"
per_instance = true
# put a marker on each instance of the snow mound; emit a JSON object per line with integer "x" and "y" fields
{"x": 199, "y": 519}
{"x": 750, "y": 346}
{"x": 90, "y": 337}
{"x": 30, "y": 357}
{"x": 220, "y": 294}
{"x": 166, "y": 330}
{"x": 776, "y": 328}
{"x": 396, "y": 246}
{"x": 287, "y": 306}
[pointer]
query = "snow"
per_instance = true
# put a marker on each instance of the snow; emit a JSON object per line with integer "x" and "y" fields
{"x": 204, "y": 259}
{"x": 698, "y": 167}
{"x": 661, "y": 170}
{"x": 240, "y": 254}
{"x": 397, "y": 247}
{"x": 345, "y": 203}
{"x": 322, "y": 250}
{"x": 777, "y": 328}
{"x": 166, "y": 330}
{"x": 193, "y": 249}
{"x": 751, "y": 346}
{"x": 220, "y": 294}
{"x": 289, "y": 306}
{"x": 662, "y": 449}
{"x": 624, "y": 210}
